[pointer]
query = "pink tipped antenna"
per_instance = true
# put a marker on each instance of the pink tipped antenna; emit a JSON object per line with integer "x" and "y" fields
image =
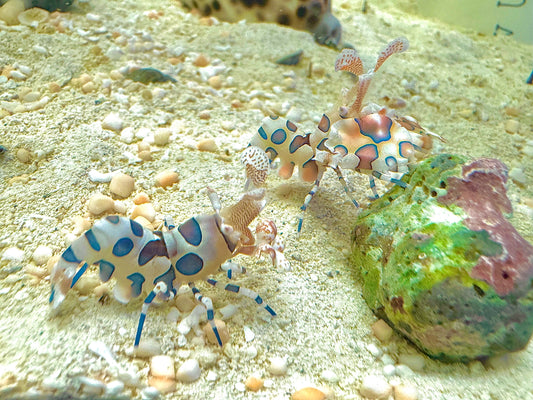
{"x": 349, "y": 61}
{"x": 398, "y": 45}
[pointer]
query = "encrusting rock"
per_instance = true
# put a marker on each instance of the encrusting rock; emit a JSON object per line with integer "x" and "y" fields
{"x": 451, "y": 274}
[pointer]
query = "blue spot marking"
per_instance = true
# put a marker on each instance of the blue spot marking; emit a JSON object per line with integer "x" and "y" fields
{"x": 322, "y": 144}
{"x": 376, "y": 136}
{"x": 91, "y": 238}
{"x": 262, "y": 133}
{"x": 52, "y": 293}
{"x": 297, "y": 142}
{"x": 211, "y": 281}
{"x": 279, "y": 136}
{"x": 122, "y": 247}
{"x": 340, "y": 148}
{"x": 191, "y": 232}
{"x": 210, "y": 315}
{"x": 136, "y": 228}
{"x": 139, "y": 330}
{"x": 106, "y": 270}
{"x": 232, "y": 288}
{"x": 259, "y": 300}
{"x": 168, "y": 277}
{"x": 137, "y": 281}
{"x": 189, "y": 264}
{"x": 113, "y": 219}
{"x": 291, "y": 126}
{"x": 154, "y": 248}
{"x": 274, "y": 117}
{"x": 68, "y": 255}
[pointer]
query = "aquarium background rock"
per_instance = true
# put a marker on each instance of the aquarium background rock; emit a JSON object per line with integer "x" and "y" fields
{"x": 440, "y": 262}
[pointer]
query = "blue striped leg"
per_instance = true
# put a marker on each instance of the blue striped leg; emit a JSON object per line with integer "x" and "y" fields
{"x": 345, "y": 186}
{"x": 372, "y": 183}
{"x": 389, "y": 178}
{"x": 308, "y": 199}
{"x": 232, "y": 269}
{"x": 160, "y": 287}
{"x": 244, "y": 291}
{"x": 208, "y": 304}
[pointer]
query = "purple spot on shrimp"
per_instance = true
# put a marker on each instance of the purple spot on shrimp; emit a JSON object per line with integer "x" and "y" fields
{"x": 297, "y": 142}
{"x": 191, "y": 232}
{"x": 341, "y": 149}
{"x": 106, "y": 270}
{"x": 291, "y": 126}
{"x": 376, "y": 127}
{"x": 324, "y": 123}
{"x": 122, "y": 247}
{"x": 137, "y": 281}
{"x": 154, "y": 248}
{"x": 279, "y": 136}
{"x": 189, "y": 264}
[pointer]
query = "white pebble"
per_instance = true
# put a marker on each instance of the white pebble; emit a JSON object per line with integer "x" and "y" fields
{"x": 148, "y": 347}
{"x": 103, "y": 350}
{"x": 389, "y": 370}
{"x": 92, "y": 17}
{"x": 42, "y": 254}
{"x": 228, "y": 311}
{"x": 403, "y": 370}
{"x": 113, "y": 122}
{"x": 114, "y": 387}
{"x": 41, "y": 50}
{"x": 387, "y": 360}
{"x": 17, "y": 75}
{"x": 278, "y": 366}
{"x": 127, "y": 135}
{"x": 149, "y": 393}
{"x": 211, "y": 376}
{"x": 517, "y": 175}
{"x": 162, "y": 367}
{"x": 251, "y": 352}
{"x": 416, "y": 362}
{"x": 329, "y": 376}
{"x": 375, "y": 387}
{"x": 249, "y": 335}
{"x": 189, "y": 371}
{"x": 374, "y": 350}
{"x": 101, "y": 177}
{"x": 92, "y": 387}
{"x": 13, "y": 254}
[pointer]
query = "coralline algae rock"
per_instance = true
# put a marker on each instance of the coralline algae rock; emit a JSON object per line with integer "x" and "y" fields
{"x": 443, "y": 266}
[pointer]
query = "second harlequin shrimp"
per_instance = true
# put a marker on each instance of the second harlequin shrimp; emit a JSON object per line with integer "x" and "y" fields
{"x": 369, "y": 140}
{"x": 159, "y": 262}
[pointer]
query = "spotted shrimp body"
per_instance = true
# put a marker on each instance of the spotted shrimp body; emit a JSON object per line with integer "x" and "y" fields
{"x": 368, "y": 140}
{"x": 158, "y": 262}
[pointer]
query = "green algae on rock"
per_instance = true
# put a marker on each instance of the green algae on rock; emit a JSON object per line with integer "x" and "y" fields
{"x": 443, "y": 266}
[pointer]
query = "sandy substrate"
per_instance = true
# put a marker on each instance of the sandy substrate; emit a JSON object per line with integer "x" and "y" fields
{"x": 458, "y": 84}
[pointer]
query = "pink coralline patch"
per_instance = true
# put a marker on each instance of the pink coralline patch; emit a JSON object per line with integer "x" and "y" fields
{"x": 481, "y": 193}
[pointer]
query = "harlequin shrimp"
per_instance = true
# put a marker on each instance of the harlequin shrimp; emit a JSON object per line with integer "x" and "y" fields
{"x": 311, "y": 15}
{"x": 370, "y": 140}
{"x": 159, "y": 262}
